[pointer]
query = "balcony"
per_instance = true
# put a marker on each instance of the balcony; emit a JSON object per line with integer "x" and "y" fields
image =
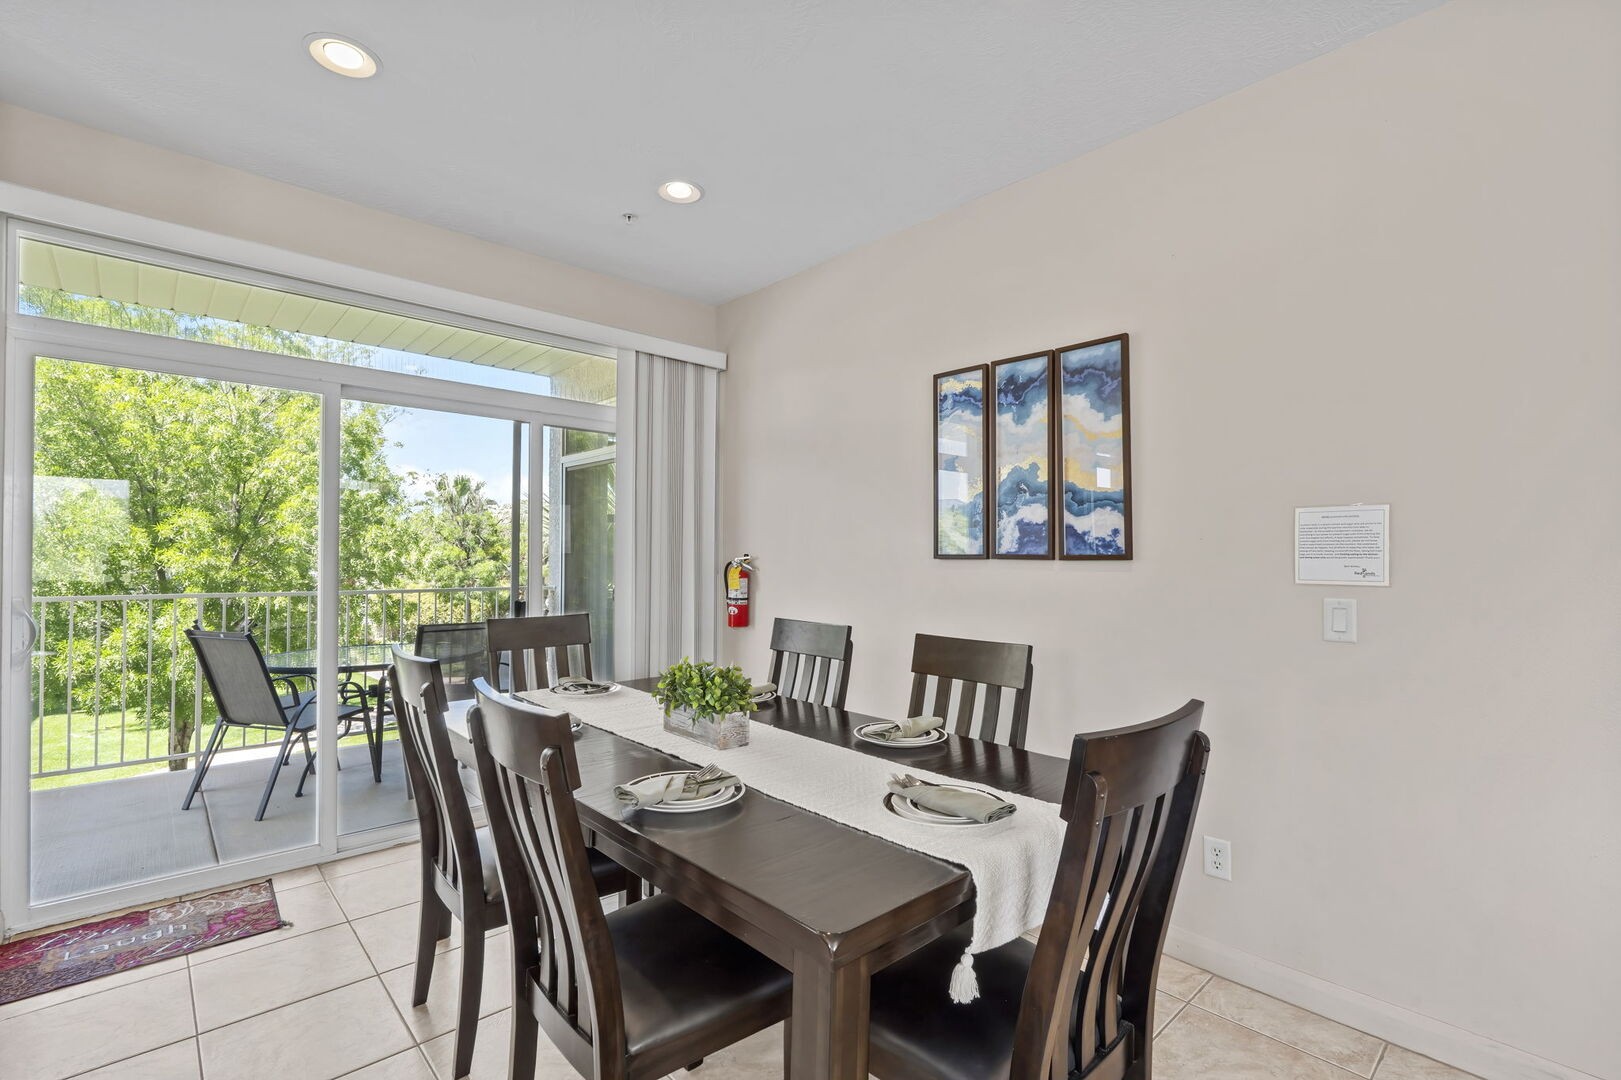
{"x": 121, "y": 713}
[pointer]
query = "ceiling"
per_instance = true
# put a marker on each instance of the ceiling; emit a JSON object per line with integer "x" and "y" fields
{"x": 814, "y": 127}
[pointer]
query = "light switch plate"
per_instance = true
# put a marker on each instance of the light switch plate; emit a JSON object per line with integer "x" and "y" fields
{"x": 1339, "y": 621}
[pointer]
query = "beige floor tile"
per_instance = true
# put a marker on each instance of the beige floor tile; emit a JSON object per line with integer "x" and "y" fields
{"x": 1198, "y": 1045}
{"x": 758, "y": 1057}
{"x": 177, "y": 1061}
{"x": 91, "y": 986}
{"x": 1165, "y": 1009}
{"x": 1180, "y": 980}
{"x": 390, "y": 937}
{"x": 1400, "y": 1064}
{"x": 295, "y": 879}
{"x": 318, "y": 1038}
{"x": 52, "y": 1043}
{"x": 490, "y": 1054}
{"x": 438, "y": 1014}
{"x": 370, "y": 860}
{"x": 378, "y": 888}
{"x": 308, "y": 908}
{"x": 1336, "y": 1043}
{"x": 259, "y": 980}
{"x": 410, "y": 1065}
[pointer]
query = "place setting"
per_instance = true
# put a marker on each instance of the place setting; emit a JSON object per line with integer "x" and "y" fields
{"x": 908, "y": 734}
{"x": 575, "y": 686}
{"x": 947, "y": 805}
{"x": 682, "y": 791}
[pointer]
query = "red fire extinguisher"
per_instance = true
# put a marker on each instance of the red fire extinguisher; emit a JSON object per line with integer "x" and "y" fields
{"x": 738, "y": 572}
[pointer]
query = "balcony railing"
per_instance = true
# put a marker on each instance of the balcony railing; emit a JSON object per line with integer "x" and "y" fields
{"x": 116, "y": 685}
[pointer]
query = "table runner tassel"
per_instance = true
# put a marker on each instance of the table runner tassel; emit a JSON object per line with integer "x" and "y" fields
{"x": 964, "y": 983}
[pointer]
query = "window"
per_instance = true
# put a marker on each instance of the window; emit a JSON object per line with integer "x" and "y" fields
{"x": 57, "y": 281}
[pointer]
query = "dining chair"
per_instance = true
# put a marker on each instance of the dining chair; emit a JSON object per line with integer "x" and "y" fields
{"x": 634, "y": 993}
{"x": 541, "y": 648}
{"x": 459, "y": 876}
{"x": 463, "y": 652}
{"x": 980, "y": 670}
{"x": 246, "y": 695}
{"x": 1080, "y": 1001}
{"x": 810, "y": 661}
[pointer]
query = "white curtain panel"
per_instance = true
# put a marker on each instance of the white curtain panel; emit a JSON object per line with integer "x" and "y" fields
{"x": 667, "y": 476}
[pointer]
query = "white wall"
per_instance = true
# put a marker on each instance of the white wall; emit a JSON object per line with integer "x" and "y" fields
{"x": 1388, "y": 275}
{"x": 68, "y": 159}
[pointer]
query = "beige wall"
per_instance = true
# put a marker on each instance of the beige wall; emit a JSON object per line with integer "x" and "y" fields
{"x": 1390, "y": 275}
{"x": 53, "y": 155}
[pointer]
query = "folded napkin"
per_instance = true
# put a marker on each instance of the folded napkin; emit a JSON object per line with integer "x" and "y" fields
{"x": 910, "y": 728}
{"x": 761, "y": 688}
{"x": 958, "y": 802}
{"x": 574, "y": 684}
{"x": 676, "y": 787}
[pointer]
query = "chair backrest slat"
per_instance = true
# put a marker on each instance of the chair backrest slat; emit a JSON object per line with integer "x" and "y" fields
{"x": 988, "y": 666}
{"x": 526, "y": 761}
{"x": 1129, "y": 802}
{"x": 539, "y": 646}
{"x": 236, "y": 674}
{"x": 810, "y": 661}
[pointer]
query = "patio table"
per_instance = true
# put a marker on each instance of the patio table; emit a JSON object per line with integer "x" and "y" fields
{"x": 352, "y": 660}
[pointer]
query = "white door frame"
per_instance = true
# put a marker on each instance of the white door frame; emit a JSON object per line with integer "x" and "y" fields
{"x": 29, "y": 336}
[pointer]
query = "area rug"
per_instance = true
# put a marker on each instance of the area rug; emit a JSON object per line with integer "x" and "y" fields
{"x": 60, "y": 958}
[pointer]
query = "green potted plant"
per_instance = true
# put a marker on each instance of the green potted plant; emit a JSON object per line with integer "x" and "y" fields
{"x": 706, "y": 702}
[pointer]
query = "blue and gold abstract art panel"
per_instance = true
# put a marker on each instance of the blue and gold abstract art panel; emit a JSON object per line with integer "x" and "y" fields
{"x": 959, "y": 464}
{"x": 1022, "y": 458}
{"x": 1094, "y": 445}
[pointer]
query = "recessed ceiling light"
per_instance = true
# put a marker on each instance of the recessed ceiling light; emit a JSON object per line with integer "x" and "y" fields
{"x": 342, "y": 56}
{"x": 680, "y": 191}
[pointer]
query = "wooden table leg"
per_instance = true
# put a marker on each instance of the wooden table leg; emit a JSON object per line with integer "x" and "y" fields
{"x": 828, "y": 1036}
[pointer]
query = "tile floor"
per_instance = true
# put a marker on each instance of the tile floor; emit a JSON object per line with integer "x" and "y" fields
{"x": 329, "y": 997}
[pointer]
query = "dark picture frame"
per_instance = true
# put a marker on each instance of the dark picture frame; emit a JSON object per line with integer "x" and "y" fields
{"x": 1021, "y": 395}
{"x": 1093, "y": 511}
{"x": 955, "y": 427}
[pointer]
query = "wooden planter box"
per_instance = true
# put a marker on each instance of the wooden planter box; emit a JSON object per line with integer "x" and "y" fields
{"x": 717, "y": 733}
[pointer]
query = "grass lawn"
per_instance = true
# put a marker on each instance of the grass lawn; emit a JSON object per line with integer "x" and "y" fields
{"x": 89, "y": 742}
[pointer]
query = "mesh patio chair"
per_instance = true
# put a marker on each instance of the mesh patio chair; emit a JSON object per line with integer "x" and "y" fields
{"x": 463, "y": 652}
{"x": 249, "y": 696}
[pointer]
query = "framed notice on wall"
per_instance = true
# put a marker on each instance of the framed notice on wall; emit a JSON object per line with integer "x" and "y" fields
{"x": 1342, "y": 545}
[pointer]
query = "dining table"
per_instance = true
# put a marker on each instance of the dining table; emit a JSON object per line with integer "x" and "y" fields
{"x": 830, "y": 903}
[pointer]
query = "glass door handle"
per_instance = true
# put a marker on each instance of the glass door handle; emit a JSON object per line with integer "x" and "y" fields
{"x": 32, "y": 636}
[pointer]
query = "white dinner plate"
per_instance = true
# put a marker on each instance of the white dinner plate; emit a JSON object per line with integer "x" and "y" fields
{"x": 712, "y": 802}
{"x": 906, "y": 809}
{"x": 928, "y": 738}
{"x": 565, "y": 691}
{"x": 765, "y": 699}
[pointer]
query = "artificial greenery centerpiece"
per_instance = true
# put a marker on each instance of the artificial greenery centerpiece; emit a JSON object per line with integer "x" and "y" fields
{"x": 704, "y": 690}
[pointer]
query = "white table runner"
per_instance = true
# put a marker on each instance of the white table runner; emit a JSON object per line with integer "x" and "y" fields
{"x": 1012, "y": 861}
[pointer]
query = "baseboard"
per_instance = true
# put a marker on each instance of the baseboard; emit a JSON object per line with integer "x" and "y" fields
{"x": 1422, "y": 1034}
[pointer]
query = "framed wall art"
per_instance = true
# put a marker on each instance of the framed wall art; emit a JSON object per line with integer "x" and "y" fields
{"x": 959, "y": 464}
{"x": 1094, "y": 443}
{"x": 1021, "y": 471}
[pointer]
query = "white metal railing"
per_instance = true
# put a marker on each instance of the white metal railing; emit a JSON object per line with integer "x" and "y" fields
{"x": 115, "y": 683}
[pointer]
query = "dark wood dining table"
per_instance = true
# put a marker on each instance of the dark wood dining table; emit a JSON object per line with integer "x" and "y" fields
{"x": 828, "y": 902}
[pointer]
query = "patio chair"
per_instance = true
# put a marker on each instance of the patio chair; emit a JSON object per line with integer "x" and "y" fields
{"x": 248, "y": 696}
{"x": 463, "y": 652}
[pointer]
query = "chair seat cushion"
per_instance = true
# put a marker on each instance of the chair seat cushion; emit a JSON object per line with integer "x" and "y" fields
{"x": 914, "y": 1019}
{"x": 609, "y": 875}
{"x": 681, "y": 974}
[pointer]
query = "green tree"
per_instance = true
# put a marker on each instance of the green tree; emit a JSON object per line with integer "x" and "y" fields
{"x": 463, "y": 533}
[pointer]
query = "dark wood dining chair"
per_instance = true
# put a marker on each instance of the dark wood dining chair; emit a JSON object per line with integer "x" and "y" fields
{"x": 635, "y": 993}
{"x": 459, "y": 875}
{"x": 1080, "y": 1001}
{"x": 810, "y": 661}
{"x": 979, "y": 671}
{"x": 541, "y": 648}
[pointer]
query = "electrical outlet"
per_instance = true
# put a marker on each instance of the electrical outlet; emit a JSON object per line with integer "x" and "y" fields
{"x": 1218, "y": 858}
